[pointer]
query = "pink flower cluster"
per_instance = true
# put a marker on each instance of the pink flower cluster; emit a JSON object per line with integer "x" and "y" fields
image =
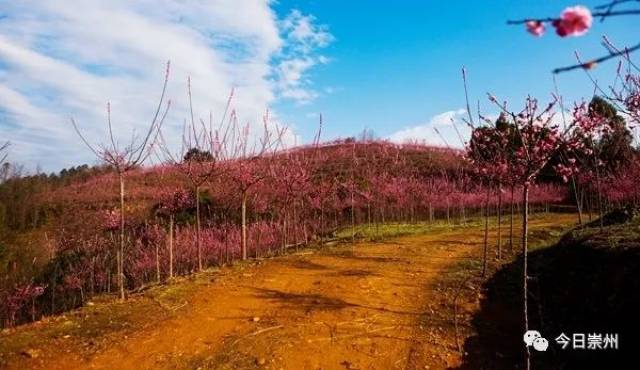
{"x": 574, "y": 21}
{"x": 565, "y": 171}
{"x": 589, "y": 123}
{"x": 19, "y": 298}
{"x": 631, "y": 97}
{"x": 518, "y": 153}
{"x": 535, "y": 28}
{"x": 176, "y": 200}
{"x": 111, "y": 219}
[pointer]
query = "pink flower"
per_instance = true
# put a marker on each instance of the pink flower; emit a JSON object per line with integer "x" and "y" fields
{"x": 574, "y": 21}
{"x": 535, "y": 28}
{"x": 111, "y": 219}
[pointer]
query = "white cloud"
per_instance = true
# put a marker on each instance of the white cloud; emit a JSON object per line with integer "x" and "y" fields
{"x": 444, "y": 123}
{"x": 304, "y": 37}
{"x": 304, "y": 30}
{"x": 63, "y": 58}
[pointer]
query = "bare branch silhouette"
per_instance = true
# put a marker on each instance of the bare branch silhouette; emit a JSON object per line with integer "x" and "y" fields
{"x": 3, "y": 152}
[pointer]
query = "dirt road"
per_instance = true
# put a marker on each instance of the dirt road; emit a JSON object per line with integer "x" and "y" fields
{"x": 381, "y": 305}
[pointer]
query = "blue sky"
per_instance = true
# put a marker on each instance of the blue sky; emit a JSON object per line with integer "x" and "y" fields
{"x": 398, "y": 66}
{"x": 393, "y": 68}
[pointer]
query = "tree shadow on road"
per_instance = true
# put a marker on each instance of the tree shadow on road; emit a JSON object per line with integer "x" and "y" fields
{"x": 575, "y": 287}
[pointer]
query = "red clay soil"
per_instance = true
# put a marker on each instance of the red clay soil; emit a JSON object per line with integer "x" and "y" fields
{"x": 384, "y": 305}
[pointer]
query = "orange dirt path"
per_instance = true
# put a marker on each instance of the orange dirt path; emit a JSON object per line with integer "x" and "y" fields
{"x": 370, "y": 306}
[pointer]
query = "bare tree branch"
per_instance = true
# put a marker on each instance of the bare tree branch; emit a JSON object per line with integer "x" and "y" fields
{"x": 592, "y": 63}
{"x": 3, "y": 152}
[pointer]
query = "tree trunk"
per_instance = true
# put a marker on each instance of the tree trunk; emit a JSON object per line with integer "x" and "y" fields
{"x": 600, "y": 207}
{"x": 294, "y": 226}
{"x": 578, "y": 198}
{"x": 448, "y": 218}
{"x": 198, "y": 240}
{"x": 284, "y": 233}
{"x": 486, "y": 234}
{"x": 93, "y": 276}
{"x": 257, "y": 243}
{"x": 353, "y": 219}
{"x": 121, "y": 252}
{"x": 321, "y": 221}
{"x": 499, "y": 222}
{"x": 157, "y": 263}
{"x": 244, "y": 225}
{"x": 525, "y": 277}
{"x": 171, "y": 246}
{"x": 511, "y": 221}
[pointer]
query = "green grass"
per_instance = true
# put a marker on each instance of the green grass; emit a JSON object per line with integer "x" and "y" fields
{"x": 372, "y": 232}
{"x": 391, "y": 230}
{"x": 612, "y": 236}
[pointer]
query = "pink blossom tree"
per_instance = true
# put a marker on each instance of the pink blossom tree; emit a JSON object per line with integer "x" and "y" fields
{"x": 18, "y": 298}
{"x": 246, "y": 169}
{"x": 291, "y": 177}
{"x": 203, "y": 148}
{"x": 487, "y": 151}
{"x": 172, "y": 203}
{"x": 126, "y": 158}
{"x": 535, "y": 141}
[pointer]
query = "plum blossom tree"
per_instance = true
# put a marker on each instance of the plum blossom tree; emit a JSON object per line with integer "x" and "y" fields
{"x": 489, "y": 151}
{"x": 321, "y": 188}
{"x": 247, "y": 170}
{"x": 126, "y": 158}
{"x": 172, "y": 203}
{"x": 291, "y": 176}
{"x": 537, "y": 141}
{"x": 203, "y": 148}
{"x": 486, "y": 151}
{"x": 21, "y": 296}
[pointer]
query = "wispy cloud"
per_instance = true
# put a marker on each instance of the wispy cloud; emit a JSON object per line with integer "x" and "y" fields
{"x": 303, "y": 38}
{"x": 67, "y": 58}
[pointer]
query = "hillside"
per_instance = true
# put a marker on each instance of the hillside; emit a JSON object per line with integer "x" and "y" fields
{"x": 60, "y": 232}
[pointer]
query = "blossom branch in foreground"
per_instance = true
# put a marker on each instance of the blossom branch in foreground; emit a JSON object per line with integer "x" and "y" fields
{"x": 576, "y": 21}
